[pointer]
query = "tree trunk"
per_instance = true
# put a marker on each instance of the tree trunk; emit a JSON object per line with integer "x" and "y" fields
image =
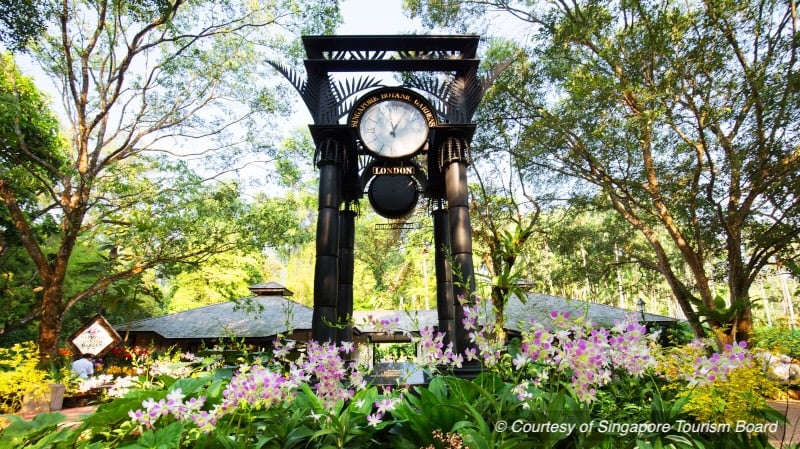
{"x": 51, "y": 319}
{"x": 499, "y": 298}
{"x": 742, "y": 325}
{"x": 739, "y": 285}
{"x": 684, "y": 297}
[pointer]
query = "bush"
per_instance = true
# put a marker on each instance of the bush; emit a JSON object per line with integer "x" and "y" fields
{"x": 21, "y": 376}
{"x": 563, "y": 385}
{"x": 738, "y": 397}
{"x": 778, "y": 340}
{"x": 726, "y": 387}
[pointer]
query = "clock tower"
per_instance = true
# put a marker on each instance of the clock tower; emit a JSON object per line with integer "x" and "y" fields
{"x": 396, "y": 144}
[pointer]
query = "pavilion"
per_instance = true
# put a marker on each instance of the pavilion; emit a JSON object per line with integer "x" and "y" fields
{"x": 270, "y": 312}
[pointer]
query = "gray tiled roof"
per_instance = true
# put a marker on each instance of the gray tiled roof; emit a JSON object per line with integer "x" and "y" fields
{"x": 517, "y": 315}
{"x": 270, "y": 289}
{"x": 538, "y": 306}
{"x": 407, "y": 320}
{"x": 269, "y": 315}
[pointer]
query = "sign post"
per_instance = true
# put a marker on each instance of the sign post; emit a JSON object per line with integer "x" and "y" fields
{"x": 96, "y": 337}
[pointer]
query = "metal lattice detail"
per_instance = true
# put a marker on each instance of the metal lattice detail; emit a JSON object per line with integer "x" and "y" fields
{"x": 384, "y": 55}
{"x": 353, "y": 206}
{"x": 351, "y": 55}
{"x": 454, "y": 149}
{"x": 330, "y": 151}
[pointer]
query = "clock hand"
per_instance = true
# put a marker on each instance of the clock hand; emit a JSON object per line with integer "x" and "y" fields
{"x": 402, "y": 117}
{"x": 391, "y": 123}
{"x": 399, "y": 121}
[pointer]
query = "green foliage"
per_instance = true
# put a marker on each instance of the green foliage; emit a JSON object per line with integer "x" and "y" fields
{"x": 20, "y": 376}
{"x": 42, "y": 431}
{"x": 21, "y": 21}
{"x": 779, "y": 340}
{"x": 641, "y": 103}
{"x": 147, "y": 114}
{"x": 730, "y": 397}
{"x": 425, "y": 411}
{"x": 393, "y": 352}
{"x": 28, "y": 129}
{"x": 436, "y": 12}
{"x": 738, "y": 398}
{"x": 221, "y": 278}
{"x": 345, "y": 425}
{"x": 395, "y": 266}
{"x": 482, "y": 413}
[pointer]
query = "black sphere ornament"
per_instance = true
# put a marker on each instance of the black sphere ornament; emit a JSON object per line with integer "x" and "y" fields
{"x": 393, "y": 196}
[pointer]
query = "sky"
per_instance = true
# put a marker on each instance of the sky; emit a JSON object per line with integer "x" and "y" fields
{"x": 361, "y": 17}
{"x": 364, "y": 17}
{"x": 375, "y": 17}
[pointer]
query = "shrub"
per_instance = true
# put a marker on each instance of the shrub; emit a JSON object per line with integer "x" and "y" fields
{"x": 737, "y": 397}
{"x": 566, "y": 384}
{"x": 20, "y": 376}
{"x": 725, "y": 387}
{"x": 778, "y": 340}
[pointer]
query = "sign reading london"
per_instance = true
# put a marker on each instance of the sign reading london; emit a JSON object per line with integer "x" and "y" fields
{"x": 97, "y": 337}
{"x": 392, "y": 170}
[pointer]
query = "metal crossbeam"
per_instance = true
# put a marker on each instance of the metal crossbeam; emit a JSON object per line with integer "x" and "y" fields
{"x": 397, "y": 225}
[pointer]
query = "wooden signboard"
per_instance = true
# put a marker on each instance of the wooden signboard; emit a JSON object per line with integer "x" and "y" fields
{"x": 96, "y": 337}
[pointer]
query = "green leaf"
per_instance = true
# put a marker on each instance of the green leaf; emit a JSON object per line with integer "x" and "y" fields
{"x": 21, "y": 430}
{"x": 164, "y": 438}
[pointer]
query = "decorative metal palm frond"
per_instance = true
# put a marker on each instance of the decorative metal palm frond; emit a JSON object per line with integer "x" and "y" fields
{"x": 456, "y": 99}
{"x": 328, "y": 101}
{"x": 311, "y": 94}
{"x": 317, "y": 92}
{"x": 494, "y": 73}
{"x": 465, "y": 95}
{"x": 346, "y": 91}
{"x": 438, "y": 88}
{"x": 297, "y": 81}
{"x": 472, "y": 88}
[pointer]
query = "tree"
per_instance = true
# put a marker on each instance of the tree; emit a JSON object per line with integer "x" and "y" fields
{"x": 141, "y": 79}
{"x": 21, "y": 21}
{"x": 506, "y": 215}
{"x": 26, "y": 124}
{"x": 224, "y": 277}
{"x": 581, "y": 256}
{"x": 506, "y": 220}
{"x": 684, "y": 116}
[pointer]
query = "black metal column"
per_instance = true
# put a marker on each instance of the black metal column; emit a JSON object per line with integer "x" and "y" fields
{"x": 455, "y": 158}
{"x": 330, "y": 154}
{"x": 344, "y": 307}
{"x": 445, "y": 299}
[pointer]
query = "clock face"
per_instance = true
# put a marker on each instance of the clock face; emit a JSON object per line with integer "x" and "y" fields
{"x": 393, "y": 129}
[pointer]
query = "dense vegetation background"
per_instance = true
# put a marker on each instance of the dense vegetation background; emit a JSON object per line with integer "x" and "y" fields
{"x": 628, "y": 150}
